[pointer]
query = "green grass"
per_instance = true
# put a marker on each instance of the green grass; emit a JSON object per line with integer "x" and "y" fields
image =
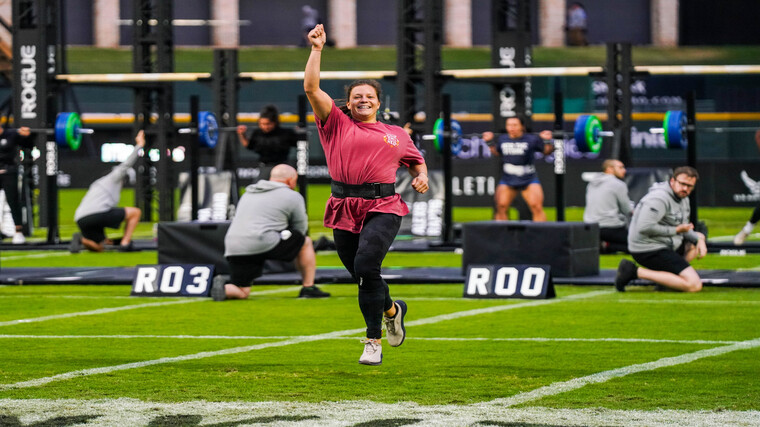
{"x": 424, "y": 371}
{"x": 250, "y": 352}
{"x": 98, "y": 60}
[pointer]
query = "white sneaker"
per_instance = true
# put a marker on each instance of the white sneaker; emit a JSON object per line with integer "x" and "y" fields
{"x": 740, "y": 238}
{"x": 394, "y": 326}
{"x": 18, "y": 238}
{"x": 373, "y": 352}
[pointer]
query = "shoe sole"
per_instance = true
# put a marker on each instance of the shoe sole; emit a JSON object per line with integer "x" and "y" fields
{"x": 402, "y": 306}
{"x": 618, "y": 287}
{"x": 371, "y": 363}
{"x": 218, "y": 293}
{"x": 76, "y": 243}
{"x": 307, "y": 296}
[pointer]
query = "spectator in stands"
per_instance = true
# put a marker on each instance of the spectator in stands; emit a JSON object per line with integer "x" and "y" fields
{"x": 661, "y": 239}
{"x": 364, "y": 210}
{"x": 270, "y": 141}
{"x": 98, "y": 209}
{"x": 270, "y": 223}
{"x": 11, "y": 140}
{"x": 309, "y": 20}
{"x": 577, "y": 25}
{"x": 607, "y": 204}
{"x": 742, "y": 235}
{"x": 517, "y": 150}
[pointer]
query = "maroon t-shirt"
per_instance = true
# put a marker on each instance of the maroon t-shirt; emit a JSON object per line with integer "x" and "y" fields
{"x": 363, "y": 153}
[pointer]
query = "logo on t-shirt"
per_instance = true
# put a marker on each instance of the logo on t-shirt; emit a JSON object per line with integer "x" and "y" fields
{"x": 391, "y": 139}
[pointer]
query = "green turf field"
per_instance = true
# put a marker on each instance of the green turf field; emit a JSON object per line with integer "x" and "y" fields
{"x": 92, "y": 355}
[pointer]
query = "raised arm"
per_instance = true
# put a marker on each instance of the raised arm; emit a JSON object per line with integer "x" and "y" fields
{"x": 320, "y": 101}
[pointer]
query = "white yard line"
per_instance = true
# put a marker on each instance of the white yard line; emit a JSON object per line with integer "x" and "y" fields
{"x": 686, "y": 301}
{"x": 31, "y": 256}
{"x": 496, "y": 309}
{"x": 96, "y": 312}
{"x": 202, "y": 355}
{"x": 601, "y": 377}
{"x": 730, "y": 238}
{"x": 133, "y": 412}
{"x": 285, "y": 337}
{"x": 131, "y": 307}
{"x": 103, "y": 297}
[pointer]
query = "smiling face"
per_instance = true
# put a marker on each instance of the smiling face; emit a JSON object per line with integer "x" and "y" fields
{"x": 363, "y": 103}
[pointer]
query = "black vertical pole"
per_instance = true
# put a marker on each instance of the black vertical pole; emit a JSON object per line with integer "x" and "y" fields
{"x": 448, "y": 230}
{"x": 193, "y": 154}
{"x": 559, "y": 151}
{"x": 691, "y": 147}
{"x": 302, "y": 149}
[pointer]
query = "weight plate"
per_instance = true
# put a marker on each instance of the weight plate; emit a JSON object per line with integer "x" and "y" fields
{"x": 73, "y": 136}
{"x": 208, "y": 129}
{"x": 456, "y": 136}
{"x": 586, "y": 132}
{"x": 675, "y": 129}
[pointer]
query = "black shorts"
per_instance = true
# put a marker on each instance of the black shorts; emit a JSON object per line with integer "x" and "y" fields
{"x": 663, "y": 260}
{"x": 93, "y": 226}
{"x": 245, "y": 268}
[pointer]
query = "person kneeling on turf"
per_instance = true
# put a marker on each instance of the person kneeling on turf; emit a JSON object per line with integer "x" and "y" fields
{"x": 661, "y": 238}
{"x": 98, "y": 209}
{"x": 270, "y": 223}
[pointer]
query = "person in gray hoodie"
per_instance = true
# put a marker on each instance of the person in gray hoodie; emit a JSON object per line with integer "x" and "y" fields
{"x": 608, "y": 204}
{"x": 661, "y": 238}
{"x": 270, "y": 223}
{"x": 98, "y": 209}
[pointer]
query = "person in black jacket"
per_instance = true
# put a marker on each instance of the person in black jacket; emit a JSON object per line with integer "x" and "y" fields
{"x": 270, "y": 141}
{"x": 11, "y": 140}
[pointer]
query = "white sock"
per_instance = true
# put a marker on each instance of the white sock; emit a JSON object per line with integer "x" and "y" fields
{"x": 748, "y": 227}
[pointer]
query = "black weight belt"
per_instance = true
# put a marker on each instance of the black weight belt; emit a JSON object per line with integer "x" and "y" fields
{"x": 375, "y": 190}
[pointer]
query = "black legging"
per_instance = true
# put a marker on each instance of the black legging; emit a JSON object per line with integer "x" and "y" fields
{"x": 363, "y": 255}
{"x": 9, "y": 184}
{"x": 755, "y": 215}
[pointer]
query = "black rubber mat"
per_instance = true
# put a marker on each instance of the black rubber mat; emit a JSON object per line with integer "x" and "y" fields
{"x": 139, "y": 245}
{"x": 425, "y": 275}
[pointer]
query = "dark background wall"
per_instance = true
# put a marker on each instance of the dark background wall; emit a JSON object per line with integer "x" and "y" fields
{"x": 183, "y": 9}
{"x": 275, "y": 22}
{"x": 279, "y": 22}
{"x": 711, "y": 22}
{"x": 702, "y": 22}
{"x": 78, "y": 18}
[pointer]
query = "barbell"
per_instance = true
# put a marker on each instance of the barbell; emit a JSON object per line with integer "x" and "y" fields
{"x": 675, "y": 127}
{"x": 587, "y": 131}
{"x": 67, "y": 131}
{"x": 208, "y": 129}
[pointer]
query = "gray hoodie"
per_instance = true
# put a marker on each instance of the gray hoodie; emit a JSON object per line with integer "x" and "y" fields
{"x": 653, "y": 226}
{"x": 607, "y": 202}
{"x": 105, "y": 192}
{"x": 265, "y": 209}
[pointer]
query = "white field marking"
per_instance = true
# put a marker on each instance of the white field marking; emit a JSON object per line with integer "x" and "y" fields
{"x": 69, "y": 296}
{"x": 600, "y": 377}
{"x": 498, "y": 308}
{"x": 749, "y": 268}
{"x": 96, "y": 312}
{"x": 133, "y": 412}
{"x": 686, "y": 301}
{"x": 129, "y": 307}
{"x": 298, "y": 340}
{"x": 30, "y": 256}
{"x": 284, "y": 337}
{"x": 730, "y": 238}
